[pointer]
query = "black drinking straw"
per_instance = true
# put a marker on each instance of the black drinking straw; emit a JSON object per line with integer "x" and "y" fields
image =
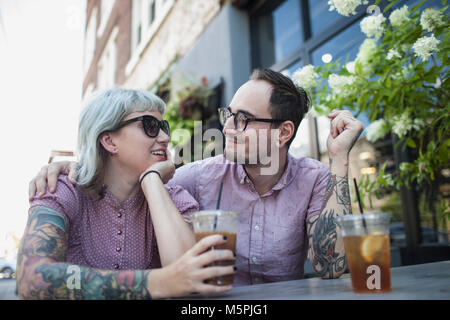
{"x": 220, "y": 196}
{"x": 359, "y": 202}
{"x": 357, "y": 195}
{"x": 218, "y": 204}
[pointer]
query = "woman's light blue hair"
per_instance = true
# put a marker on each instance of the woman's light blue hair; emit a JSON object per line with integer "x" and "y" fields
{"x": 103, "y": 113}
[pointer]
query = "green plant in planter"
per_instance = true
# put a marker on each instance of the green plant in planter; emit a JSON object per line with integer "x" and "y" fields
{"x": 187, "y": 104}
{"x": 400, "y": 79}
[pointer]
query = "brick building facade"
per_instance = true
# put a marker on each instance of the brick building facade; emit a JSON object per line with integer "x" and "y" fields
{"x": 140, "y": 59}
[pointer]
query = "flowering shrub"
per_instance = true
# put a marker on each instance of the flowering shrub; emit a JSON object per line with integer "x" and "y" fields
{"x": 186, "y": 105}
{"x": 400, "y": 79}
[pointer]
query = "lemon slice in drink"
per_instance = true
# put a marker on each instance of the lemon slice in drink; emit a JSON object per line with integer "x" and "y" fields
{"x": 370, "y": 246}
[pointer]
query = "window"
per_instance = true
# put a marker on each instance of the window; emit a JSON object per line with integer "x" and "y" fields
{"x": 105, "y": 10}
{"x": 277, "y": 34}
{"x": 90, "y": 39}
{"x": 152, "y": 13}
{"x": 345, "y": 44}
{"x": 300, "y": 146}
{"x": 147, "y": 17}
{"x": 320, "y": 16}
{"x": 107, "y": 63}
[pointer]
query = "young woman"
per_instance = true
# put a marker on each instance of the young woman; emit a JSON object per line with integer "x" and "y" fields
{"x": 119, "y": 233}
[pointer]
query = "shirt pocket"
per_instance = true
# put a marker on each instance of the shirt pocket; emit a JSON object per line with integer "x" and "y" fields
{"x": 289, "y": 231}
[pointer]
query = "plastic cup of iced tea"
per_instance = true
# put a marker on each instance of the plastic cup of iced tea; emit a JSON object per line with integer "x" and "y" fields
{"x": 366, "y": 241}
{"x": 210, "y": 222}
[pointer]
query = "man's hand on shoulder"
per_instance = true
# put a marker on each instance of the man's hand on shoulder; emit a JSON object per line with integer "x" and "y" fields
{"x": 49, "y": 174}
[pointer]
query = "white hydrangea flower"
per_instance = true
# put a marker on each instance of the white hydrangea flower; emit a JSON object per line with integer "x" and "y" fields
{"x": 405, "y": 48}
{"x": 367, "y": 52}
{"x": 402, "y": 73}
{"x": 306, "y": 77}
{"x": 403, "y": 123}
{"x": 350, "y": 66}
{"x": 389, "y": 179}
{"x": 431, "y": 18}
{"x": 418, "y": 124}
{"x": 392, "y": 53}
{"x": 377, "y": 130}
{"x": 345, "y": 7}
{"x": 341, "y": 85}
{"x": 404, "y": 166}
{"x": 400, "y": 17}
{"x": 425, "y": 46}
{"x": 372, "y": 26}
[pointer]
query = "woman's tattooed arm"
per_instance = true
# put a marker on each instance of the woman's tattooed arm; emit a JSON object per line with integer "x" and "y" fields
{"x": 43, "y": 274}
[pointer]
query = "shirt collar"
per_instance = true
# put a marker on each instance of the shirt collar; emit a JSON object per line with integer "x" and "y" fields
{"x": 127, "y": 204}
{"x": 286, "y": 178}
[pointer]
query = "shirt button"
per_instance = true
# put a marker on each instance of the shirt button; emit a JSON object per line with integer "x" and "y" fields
{"x": 119, "y": 215}
{"x": 254, "y": 259}
{"x": 257, "y": 228}
{"x": 118, "y": 249}
{"x": 116, "y": 266}
{"x": 119, "y": 232}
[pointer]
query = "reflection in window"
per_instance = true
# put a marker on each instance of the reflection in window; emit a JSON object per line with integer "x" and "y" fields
{"x": 300, "y": 146}
{"x": 345, "y": 43}
{"x": 320, "y": 16}
{"x": 278, "y": 33}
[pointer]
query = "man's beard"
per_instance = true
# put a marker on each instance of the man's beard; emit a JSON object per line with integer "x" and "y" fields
{"x": 259, "y": 153}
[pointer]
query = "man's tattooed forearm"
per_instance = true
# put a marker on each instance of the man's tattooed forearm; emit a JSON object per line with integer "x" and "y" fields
{"x": 338, "y": 186}
{"x": 327, "y": 254}
{"x": 342, "y": 193}
{"x": 327, "y": 261}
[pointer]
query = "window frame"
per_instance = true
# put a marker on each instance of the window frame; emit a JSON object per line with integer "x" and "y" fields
{"x": 140, "y": 16}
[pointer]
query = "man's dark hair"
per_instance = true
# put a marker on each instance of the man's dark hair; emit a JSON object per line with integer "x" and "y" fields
{"x": 287, "y": 101}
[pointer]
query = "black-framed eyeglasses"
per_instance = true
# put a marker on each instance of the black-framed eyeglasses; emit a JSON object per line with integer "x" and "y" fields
{"x": 240, "y": 119}
{"x": 150, "y": 124}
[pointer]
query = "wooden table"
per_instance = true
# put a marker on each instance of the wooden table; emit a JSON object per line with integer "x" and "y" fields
{"x": 417, "y": 282}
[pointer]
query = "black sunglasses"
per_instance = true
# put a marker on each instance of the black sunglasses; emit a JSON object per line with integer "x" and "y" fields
{"x": 240, "y": 119}
{"x": 150, "y": 124}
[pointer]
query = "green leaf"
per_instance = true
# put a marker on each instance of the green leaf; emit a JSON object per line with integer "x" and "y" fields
{"x": 417, "y": 6}
{"x": 389, "y": 6}
{"x": 410, "y": 143}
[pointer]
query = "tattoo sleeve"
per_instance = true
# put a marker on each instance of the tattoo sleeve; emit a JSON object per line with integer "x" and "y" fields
{"x": 43, "y": 274}
{"x": 326, "y": 247}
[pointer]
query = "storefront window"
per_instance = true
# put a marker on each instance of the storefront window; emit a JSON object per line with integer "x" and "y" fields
{"x": 320, "y": 16}
{"x": 277, "y": 34}
{"x": 345, "y": 43}
{"x": 300, "y": 146}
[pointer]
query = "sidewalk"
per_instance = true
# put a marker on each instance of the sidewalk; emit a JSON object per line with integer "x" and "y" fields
{"x": 7, "y": 289}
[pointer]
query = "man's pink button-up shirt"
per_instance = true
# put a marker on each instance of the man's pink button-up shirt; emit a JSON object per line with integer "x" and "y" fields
{"x": 271, "y": 241}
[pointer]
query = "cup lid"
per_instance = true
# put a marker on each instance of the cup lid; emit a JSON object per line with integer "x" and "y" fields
{"x": 206, "y": 213}
{"x": 366, "y": 216}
